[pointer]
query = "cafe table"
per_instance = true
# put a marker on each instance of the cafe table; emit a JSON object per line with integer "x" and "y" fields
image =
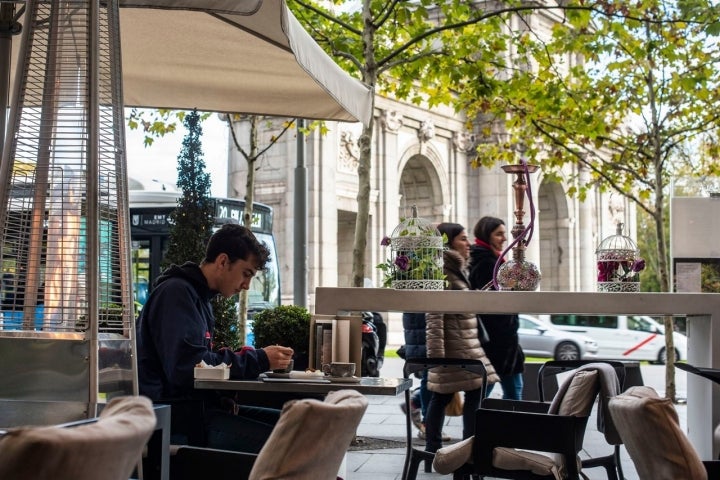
{"x": 366, "y": 386}
{"x": 300, "y": 387}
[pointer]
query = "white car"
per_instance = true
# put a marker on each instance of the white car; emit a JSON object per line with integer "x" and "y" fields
{"x": 543, "y": 339}
{"x": 623, "y": 337}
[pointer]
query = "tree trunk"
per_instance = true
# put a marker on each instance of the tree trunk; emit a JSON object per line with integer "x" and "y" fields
{"x": 370, "y": 74}
{"x": 668, "y": 322}
{"x": 247, "y": 218}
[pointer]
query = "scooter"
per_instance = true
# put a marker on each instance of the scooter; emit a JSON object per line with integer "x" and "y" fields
{"x": 374, "y": 336}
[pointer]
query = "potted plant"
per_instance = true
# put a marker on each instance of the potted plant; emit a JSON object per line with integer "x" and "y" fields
{"x": 286, "y": 325}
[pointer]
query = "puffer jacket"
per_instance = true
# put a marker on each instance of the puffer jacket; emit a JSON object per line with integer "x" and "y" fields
{"x": 455, "y": 336}
{"x": 414, "y": 328}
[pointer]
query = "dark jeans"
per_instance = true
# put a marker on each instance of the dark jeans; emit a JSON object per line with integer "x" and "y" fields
{"x": 245, "y": 432}
{"x": 436, "y": 417}
{"x": 215, "y": 427}
{"x": 512, "y": 386}
{"x": 422, "y": 395}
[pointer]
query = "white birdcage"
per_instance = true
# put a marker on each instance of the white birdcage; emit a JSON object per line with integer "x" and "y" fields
{"x": 416, "y": 258}
{"x": 618, "y": 263}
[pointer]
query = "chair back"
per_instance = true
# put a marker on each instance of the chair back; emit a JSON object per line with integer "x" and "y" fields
{"x": 556, "y": 367}
{"x": 519, "y": 426}
{"x": 109, "y": 448}
{"x": 415, "y": 365}
{"x": 650, "y": 430}
{"x": 311, "y": 438}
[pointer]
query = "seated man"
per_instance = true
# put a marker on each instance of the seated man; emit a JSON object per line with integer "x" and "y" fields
{"x": 175, "y": 332}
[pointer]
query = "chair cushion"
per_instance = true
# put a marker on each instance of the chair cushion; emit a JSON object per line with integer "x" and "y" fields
{"x": 108, "y": 448}
{"x": 537, "y": 462}
{"x": 580, "y": 395}
{"x": 651, "y": 433}
{"x": 450, "y": 458}
{"x": 311, "y": 438}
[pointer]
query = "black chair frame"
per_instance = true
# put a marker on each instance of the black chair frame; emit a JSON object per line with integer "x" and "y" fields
{"x": 611, "y": 463}
{"x": 414, "y": 456}
{"x": 503, "y": 419}
{"x": 567, "y": 437}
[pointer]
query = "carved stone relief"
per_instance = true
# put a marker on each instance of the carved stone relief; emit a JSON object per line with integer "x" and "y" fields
{"x": 391, "y": 120}
{"x": 349, "y": 153}
{"x": 426, "y": 131}
{"x": 464, "y": 141}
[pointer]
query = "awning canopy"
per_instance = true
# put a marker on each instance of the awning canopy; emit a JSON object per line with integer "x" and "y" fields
{"x": 234, "y": 56}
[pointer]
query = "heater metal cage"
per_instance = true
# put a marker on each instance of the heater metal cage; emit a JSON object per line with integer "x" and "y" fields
{"x": 66, "y": 296}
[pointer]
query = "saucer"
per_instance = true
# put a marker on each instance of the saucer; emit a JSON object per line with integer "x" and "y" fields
{"x": 343, "y": 379}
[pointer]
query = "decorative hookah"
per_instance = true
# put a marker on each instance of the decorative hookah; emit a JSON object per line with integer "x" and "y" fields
{"x": 518, "y": 273}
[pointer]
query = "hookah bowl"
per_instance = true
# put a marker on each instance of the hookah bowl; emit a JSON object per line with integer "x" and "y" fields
{"x": 518, "y": 273}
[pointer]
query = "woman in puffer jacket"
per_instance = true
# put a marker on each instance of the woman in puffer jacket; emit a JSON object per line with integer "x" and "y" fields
{"x": 454, "y": 336}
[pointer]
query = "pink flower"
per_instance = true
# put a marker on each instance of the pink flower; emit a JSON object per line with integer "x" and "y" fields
{"x": 605, "y": 270}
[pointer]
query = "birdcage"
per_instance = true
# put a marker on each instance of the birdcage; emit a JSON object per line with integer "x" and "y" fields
{"x": 618, "y": 263}
{"x": 416, "y": 259}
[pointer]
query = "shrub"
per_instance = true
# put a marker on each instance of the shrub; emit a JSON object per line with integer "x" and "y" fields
{"x": 286, "y": 325}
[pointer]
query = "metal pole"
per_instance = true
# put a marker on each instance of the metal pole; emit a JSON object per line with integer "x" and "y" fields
{"x": 8, "y": 27}
{"x": 300, "y": 271}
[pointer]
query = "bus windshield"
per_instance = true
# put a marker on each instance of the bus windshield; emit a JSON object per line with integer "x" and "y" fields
{"x": 150, "y": 226}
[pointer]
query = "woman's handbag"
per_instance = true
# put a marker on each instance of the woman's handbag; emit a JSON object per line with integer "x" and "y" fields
{"x": 455, "y": 407}
{"x": 483, "y": 335}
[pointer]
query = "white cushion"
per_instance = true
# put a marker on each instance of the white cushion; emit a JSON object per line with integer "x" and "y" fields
{"x": 311, "y": 438}
{"x": 108, "y": 449}
{"x": 651, "y": 433}
{"x": 450, "y": 458}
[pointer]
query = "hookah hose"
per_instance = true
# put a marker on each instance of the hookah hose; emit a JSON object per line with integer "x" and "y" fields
{"x": 528, "y": 230}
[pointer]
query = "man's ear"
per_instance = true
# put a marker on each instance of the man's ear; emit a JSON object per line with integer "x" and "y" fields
{"x": 222, "y": 260}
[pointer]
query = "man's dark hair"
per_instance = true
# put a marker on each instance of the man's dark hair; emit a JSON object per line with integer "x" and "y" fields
{"x": 485, "y": 226}
{"x": 237, "y": 242}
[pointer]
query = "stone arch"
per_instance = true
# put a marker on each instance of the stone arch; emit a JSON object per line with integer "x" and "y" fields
{"x": 555, "y": 237}
{"x": 423, "y": 182}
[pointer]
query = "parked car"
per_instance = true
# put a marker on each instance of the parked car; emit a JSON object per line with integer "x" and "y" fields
{"x": 623, "y": 337}
{"x": 543, "y": 339}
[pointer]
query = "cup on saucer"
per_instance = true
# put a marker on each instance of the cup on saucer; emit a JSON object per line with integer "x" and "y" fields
{"x": 339, "y": 369}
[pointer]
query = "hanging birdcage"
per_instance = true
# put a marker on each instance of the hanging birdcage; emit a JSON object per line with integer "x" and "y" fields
{"x": 618, "y": 263}
{"x": 416, "y": 256}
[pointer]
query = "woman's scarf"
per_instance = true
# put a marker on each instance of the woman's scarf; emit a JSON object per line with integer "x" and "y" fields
{"x": 480, "y": 243}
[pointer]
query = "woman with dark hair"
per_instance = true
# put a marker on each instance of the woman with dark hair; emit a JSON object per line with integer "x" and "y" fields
{"x": 503, "y": 345}
{"x": 453, "y": 336}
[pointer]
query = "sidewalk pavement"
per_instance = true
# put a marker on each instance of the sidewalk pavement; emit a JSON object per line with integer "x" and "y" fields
{"x": 384, "y": 425}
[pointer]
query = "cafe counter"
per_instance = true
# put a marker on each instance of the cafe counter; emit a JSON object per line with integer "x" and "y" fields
{"x": 701, "y": 309}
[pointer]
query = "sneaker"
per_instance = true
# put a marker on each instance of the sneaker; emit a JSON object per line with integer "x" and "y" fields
{"x": 421, "y": 435}
{"x": 415, "y": 415}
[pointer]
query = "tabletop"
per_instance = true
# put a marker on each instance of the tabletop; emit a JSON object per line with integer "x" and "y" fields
{"x": 366, "y": 386}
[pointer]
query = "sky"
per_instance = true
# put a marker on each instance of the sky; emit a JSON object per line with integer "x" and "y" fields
{"x": 157, "y": 164}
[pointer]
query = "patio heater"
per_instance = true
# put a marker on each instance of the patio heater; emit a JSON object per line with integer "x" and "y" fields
{"x": 67, "y": 334}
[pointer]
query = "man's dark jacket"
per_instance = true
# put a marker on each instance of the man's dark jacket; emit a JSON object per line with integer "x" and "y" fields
{"x": 174, "y": 333}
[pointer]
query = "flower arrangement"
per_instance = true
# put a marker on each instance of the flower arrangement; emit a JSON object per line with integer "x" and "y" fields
{"x": 624, "y": 271}
{"x": 618, "y": 264}
{"x": 416, "y": 260}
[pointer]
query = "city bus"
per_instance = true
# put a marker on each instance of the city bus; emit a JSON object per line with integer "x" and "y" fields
{"x": 150, "y": 225}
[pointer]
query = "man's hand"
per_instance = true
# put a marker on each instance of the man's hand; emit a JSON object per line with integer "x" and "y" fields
{"x": 279, "y": 357}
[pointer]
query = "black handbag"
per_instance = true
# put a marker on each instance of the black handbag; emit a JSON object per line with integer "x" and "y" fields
{"x": 482, "y": 332}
